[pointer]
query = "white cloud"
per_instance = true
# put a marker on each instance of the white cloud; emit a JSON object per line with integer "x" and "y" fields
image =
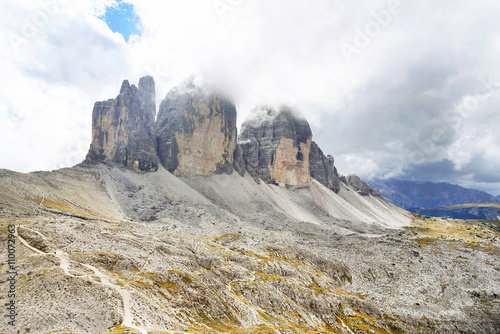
{"x": 395, "y": 95}
{"x": 51, "y": 80}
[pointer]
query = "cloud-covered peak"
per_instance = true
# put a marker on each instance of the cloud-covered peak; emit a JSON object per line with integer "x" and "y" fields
{"x": 266, "y": 114}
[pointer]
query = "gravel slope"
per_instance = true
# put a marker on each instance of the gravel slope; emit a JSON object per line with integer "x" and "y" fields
{"x": 106, "y": 250}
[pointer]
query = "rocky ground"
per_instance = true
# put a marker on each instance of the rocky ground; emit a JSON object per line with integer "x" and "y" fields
{"x": 103, "y": 250}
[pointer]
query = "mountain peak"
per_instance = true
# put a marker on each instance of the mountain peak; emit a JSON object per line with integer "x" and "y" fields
{"x": 360, "y": 186}
{"x": 122, "y": 128}
{"x": 125, "y": 87}
{"x": 195, "y": 134}
{"x": 266, "y": 114}
{"x": 196, "y": 131}
{"x": 147, "y": 84}
{"x": 276, "y": 146}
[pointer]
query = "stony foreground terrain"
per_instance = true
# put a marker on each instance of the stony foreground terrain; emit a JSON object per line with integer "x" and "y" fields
{"x": 109, "y": 250}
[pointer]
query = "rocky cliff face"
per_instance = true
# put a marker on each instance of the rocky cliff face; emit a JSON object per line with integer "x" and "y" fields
{"x": 276, "y": 146}
{"x": 322, "y": 168}
{"x": 196, "y": 132}
{"x": 239, "y": 161}
{"x": 196, "y": 135}
{"x": 123, "y": 128}
{"x": 360, "y": 186}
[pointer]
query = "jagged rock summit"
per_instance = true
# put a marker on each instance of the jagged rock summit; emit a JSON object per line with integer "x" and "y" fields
{"x": 276, "y": 144}
{"x": 123, "y": 128}
{"x": 360, "y": 186}
{"x": 196, "y": 132}
{"x": 323, "y": 168}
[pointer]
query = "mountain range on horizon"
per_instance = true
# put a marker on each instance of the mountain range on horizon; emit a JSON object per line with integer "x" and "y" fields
{"x": 439, "y": 199}
{"x": 418, "y": 194}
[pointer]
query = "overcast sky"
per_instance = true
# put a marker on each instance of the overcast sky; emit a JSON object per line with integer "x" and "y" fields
{"x": 407, "y": 89}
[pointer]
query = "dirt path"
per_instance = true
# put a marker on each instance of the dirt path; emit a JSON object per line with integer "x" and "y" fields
{"x": 65, "y": 264}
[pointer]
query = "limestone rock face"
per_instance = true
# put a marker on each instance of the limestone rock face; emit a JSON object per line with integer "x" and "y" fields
{"x": 239, "y": 160}
{"x": 123, "y": 128}
{"x": 196, "y": 132}
{"x": 323, "y": 169}
{"x": 276, "y": 146}
{"x": 360, "y": 186}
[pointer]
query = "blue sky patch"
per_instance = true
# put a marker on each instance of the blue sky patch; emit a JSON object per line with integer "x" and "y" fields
{"x": 122, "y": 18}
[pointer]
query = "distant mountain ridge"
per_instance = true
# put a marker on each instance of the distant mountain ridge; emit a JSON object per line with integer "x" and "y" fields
{"x": 412, "y": 194}
{"x": 486, "y": 211}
